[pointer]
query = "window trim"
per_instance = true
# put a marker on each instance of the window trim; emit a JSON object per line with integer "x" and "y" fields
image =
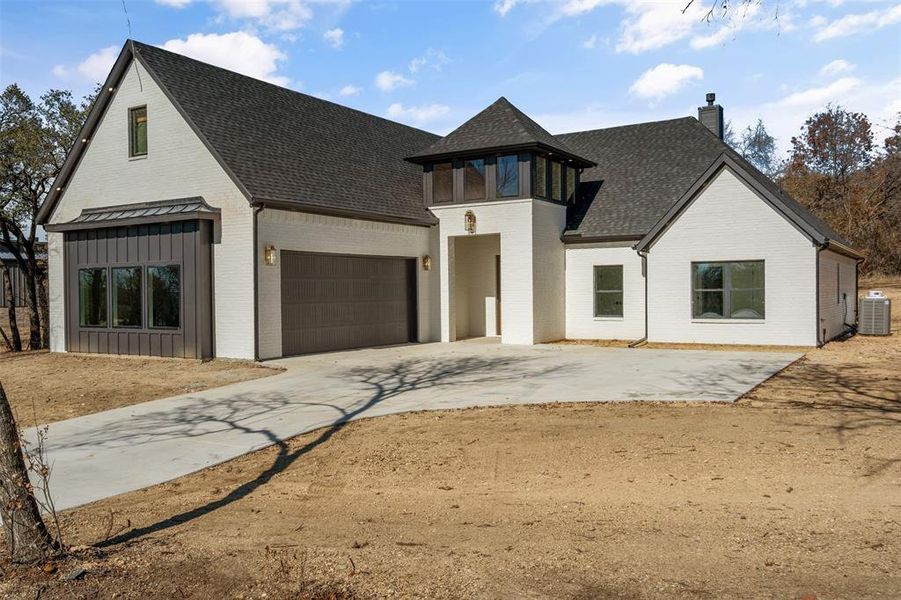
{"x": 595, "y": 291}
{"x": 112, "y": 318}
{"x": 131, "y": 132}
{"x": 727, "y": 297}
{"x": 156, "y": 265}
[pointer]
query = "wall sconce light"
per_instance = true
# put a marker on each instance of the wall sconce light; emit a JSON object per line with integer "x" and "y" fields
{"x": 426, "y": 263}
{"x": 269, "y": 254}
{"x": 469, "y": 222}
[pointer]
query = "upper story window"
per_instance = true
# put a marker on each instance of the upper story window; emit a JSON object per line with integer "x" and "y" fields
{"x": 570, "y": 185}
{"x": 539, "y": 169}
{"x": 507, "y": 176}
{"x": 474, "y": 179}
{"x": 137, "y": 131}
{"x": 443, "y": 182}
{"x": 556, "y": 181}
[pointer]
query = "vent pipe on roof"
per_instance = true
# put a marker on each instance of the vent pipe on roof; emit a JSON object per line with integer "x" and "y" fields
{"x": 711, "y": 116}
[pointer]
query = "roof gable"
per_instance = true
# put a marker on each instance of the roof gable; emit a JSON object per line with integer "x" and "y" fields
{"x": 281, "y": 147}
{"x": 499, "y": 126}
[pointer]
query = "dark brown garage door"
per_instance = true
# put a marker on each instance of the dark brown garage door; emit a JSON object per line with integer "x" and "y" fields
{"x": 336, "y": 301}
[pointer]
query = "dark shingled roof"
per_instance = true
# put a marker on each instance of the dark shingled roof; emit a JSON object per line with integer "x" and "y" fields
{"x": 643, "y": 169}
{"x": 501, "y": 125}
{"x": 288, "y": 147}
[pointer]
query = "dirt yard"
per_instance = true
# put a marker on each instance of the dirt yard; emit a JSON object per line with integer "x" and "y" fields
{"x": 53, "y": 386}
{"x": 793, "y": 492}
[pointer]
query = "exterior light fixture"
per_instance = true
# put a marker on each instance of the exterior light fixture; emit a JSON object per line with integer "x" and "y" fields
{"x": 426, "y": 263}
{"x": 269, "y": 255}
{"x": 469, "y": 222}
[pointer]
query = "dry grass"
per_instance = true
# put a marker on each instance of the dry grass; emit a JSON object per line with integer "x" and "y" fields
{"x": 793, "y": 491}
{"x": 44, "y": 387}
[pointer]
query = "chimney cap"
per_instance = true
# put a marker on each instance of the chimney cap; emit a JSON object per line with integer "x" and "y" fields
{"x": 711, "y": 98}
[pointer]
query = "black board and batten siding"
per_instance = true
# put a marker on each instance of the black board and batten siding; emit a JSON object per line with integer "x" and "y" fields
{"x": 183, "y": 243}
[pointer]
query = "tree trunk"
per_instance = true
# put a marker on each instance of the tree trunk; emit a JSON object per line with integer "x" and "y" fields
{"x": 15, "y": 341}
{"x": 27, "y": 537}
{"x": 31, "y": 282}
{"x": 44, "y": 304}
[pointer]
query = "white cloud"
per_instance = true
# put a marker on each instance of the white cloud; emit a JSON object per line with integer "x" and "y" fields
{"x": 502, "y": 7}
{"x": 388, "y": 81}
{"x": 174, "y": 3}
{"x": 237, "y": 51}
{"x": 93, "y": 69}
{"x": 350, "y": 90}
{"x": 417, "y": 114}
{"x": 334, "y": 37}
{"x": 591, "y": 43}
{"x": 281, "y": 15}
{"x": 858, "y": 23}
{"x": 837, "y": 66}
{"x": 649, "y": 26}
{"x": 820, "y": 96}
{"x": 434, "y": 59}
{"x": 665, "y": 79}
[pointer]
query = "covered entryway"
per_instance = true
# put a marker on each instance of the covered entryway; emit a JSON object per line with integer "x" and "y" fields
{"x": 477, "y": 285}
{"x": 339, "y": 301}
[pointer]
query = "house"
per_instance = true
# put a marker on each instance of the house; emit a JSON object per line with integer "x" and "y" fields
{"x": 205, "y": 213}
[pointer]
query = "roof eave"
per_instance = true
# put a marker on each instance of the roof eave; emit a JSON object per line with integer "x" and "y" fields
{"x": 427, "y": 158}
{"x": 344, "y": 213}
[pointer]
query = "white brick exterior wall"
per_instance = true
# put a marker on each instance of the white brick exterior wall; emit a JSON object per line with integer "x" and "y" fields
{"x": 728, "y": 221}
{"x": 305, "y": 232}
{"x": 513, "y": 220}
{"x": 177, "y": 165}
{"x": 548, "y": 271}
{"x": 580, "y": 320}
{"x": 838, "y": 293}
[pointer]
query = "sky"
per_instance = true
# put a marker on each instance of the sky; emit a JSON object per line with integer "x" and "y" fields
{"x": 570, "y": 64}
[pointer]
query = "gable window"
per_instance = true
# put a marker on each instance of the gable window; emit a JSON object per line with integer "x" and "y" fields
{"x": 539, "y": 170}
{"x": 92, "y": 297}
{"x": 474, "y": 179}
{"x": 126, "y": 296}
{"x": 728, "y": 290}
{"x": 443, "y": 182}
{"x": 608, "y": 291}
{"x": 556, "y": 181}
{"x": 507, "y": 176}
{"x": 137, "y": 131}
{"x": 164, "y": 296}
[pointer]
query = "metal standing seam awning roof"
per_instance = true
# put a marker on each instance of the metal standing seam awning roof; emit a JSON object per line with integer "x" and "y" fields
{"x": 162, "y": 211}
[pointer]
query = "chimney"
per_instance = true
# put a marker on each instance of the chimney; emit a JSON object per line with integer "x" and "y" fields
{"x": 711, "y": 116}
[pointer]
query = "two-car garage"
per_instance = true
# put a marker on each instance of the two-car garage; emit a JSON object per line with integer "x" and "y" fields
{"x": 340, "y": 301}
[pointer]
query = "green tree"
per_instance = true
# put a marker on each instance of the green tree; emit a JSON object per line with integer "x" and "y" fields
{"x": 35, "y": 138}
{"x": 759, "y": 148}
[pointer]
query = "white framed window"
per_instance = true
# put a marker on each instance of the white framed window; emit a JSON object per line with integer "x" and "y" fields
{"x": 608, "y": 291}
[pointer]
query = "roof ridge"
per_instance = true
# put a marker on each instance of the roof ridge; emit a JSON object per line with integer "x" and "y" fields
{"x": 140, "y": 45}
{"x": 628, "y": 125}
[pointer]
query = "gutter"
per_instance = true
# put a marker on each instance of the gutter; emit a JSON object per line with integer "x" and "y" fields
{"x": 256, "y": 284}
{"x": 644, "y": 267}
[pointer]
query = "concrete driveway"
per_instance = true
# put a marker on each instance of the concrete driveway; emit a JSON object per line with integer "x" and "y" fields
{"x": 108, "y": 453}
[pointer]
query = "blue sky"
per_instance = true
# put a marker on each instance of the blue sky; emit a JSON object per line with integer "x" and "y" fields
{"x": 571, "y": 65}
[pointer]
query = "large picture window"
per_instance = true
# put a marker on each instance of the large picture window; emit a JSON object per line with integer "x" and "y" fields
{"x": 728, "y": 290}
{"x": 126, "y": 296}
{"x": 443, "y": 182}
{"x": 507, "y": 176}
{"x": 608, "y": 291}
{"x": 474, "y": 179}
{"x": 164, "y": 296}
{"x": 92, "y": 297}
{"x": 137, "y": 131}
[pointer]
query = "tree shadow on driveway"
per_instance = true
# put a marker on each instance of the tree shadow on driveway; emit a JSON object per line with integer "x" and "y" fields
{"x": 381, "y": 383}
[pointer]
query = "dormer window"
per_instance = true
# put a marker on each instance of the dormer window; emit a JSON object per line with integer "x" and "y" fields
{"x": 137, "y": 131}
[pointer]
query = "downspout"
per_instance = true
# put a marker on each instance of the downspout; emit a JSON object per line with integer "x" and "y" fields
{"x": 644, "y": 268}
{"x": 256, "y": 284}
{"x": 820, "y": 341}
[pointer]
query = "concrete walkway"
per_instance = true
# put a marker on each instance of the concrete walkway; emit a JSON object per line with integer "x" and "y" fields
{"x": 108, "y": 453}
